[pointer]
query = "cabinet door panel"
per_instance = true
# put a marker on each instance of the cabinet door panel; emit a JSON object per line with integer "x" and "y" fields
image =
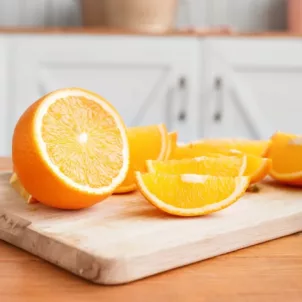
{"x": 5, "y": 134}
{"x": 128, "y": 88}
{"x": 266, "y": 75}
{"x": 137, "y": 75}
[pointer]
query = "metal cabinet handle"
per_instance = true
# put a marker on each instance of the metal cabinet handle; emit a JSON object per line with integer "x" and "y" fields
{"x": 182, "y": 84}
{"x": 218, "y": 84}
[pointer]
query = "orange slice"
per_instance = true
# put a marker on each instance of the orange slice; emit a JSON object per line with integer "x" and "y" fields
{"x": 223, "y": 146}
{"x": 286, "y": 155}
{"x": 257, "y": 167}
{"x": 172, "y": 140}
{"x": 248, "y": 146}
{"x": 70, "y": 149}
{"x": 191, "y": 194}
{"x": 216, "y": 166}
{"x": 145, "y": 142}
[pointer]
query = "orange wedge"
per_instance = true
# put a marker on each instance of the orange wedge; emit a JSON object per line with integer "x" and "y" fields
{"x": 257, "y": 167}
{"x": 70, "y": 149}
{"x": 248, "y": 146}
{"x": 286, "y": 155}
{"x": 191, "y": 194}
{"x": 172, "y": 140}
{"x": 145, "y": 142}
{"x": 223, "y": 146}
{"x": 216, "y": 166}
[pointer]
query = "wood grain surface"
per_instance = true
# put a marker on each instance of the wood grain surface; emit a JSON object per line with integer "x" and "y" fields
{"x": 263, "y": 273}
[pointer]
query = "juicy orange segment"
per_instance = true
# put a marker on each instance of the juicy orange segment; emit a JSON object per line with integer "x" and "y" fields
{"x": 172, "y": 140}
{"x": 70, "y": 149}
{"x": 257, "y": 168}
{"x": 145, "y": 142}
{"x": 248, "y": 146}
{"x": 286, "y": 155}
{"x": 217, "y": 166}
{"x": 192, "y": 150}
{"x": 223, "y": 146}
{"x": 191, "y": 194}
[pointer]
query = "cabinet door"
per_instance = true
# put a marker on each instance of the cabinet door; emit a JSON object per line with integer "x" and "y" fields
{"x": 261, "y": 86}
{"x": 5, "y": 141}
{"x": 143, "y": 77}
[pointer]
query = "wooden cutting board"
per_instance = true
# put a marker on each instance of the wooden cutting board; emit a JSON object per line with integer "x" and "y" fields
{"x": 124, "y": 238}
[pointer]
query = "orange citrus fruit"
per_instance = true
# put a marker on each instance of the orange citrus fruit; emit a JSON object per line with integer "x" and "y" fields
{"x": 234, "y": 164}
{"x": 145, "y": 142}
{"x": 172, "y": 140}
{"x": 248, "y": 146}
{"x": 257, "y": 167}
{"x": 286, "y": 155}
{"x": 199, "y": 148}
{"x": 216, "y": 166}
{"x": 70, "y": 149}
{"x": 191, "y": 194}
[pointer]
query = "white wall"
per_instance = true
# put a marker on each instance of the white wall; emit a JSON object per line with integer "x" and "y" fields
{"x": 40, "y": 12}
{"x": 244, "y": 15}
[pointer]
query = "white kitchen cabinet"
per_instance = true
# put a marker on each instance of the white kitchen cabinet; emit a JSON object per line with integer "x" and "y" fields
{"x": 261, "y": 91}
{"x": 4, "y": 98}
{"x": 200, "y": 87}
{"x": 148, "y": 79}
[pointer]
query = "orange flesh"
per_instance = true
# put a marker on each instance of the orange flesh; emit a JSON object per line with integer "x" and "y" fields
{"x": 75, "y": 144}
{"x": 222, "y": 166}
{"x": 145, "y": 142}
{"x": 286, "y": 154}
{"x": 253, "y": 147}
{"x": 224, "y": 146}
{"x": 257, "y": 167}
{"x": 172, "y": 138}
{"x": 188, "y": 195}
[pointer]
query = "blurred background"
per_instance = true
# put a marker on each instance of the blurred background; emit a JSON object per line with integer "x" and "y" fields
{"x": 205, "y": 68}
{"x": 244, "y": 15}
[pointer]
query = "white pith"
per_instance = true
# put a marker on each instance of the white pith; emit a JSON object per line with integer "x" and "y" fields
{"x": 193, "y": 178}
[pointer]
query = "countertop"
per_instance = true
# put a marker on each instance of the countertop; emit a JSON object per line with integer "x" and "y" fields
{"x": 267, "y": 272}
{"x": 194, "y": 32}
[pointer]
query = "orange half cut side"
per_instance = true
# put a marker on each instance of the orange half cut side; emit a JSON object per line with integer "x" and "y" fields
{"x": 70, "y": 149}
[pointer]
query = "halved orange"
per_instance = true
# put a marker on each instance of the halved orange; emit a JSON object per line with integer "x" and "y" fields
{"x": 145, "y": 142}
{"x": 70, "y": 149}
{"x": 191, "y": 194}
{"x": 216, "y": 166}
{"x": 223, "y": 146}
{"x": 286, "y": 155}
